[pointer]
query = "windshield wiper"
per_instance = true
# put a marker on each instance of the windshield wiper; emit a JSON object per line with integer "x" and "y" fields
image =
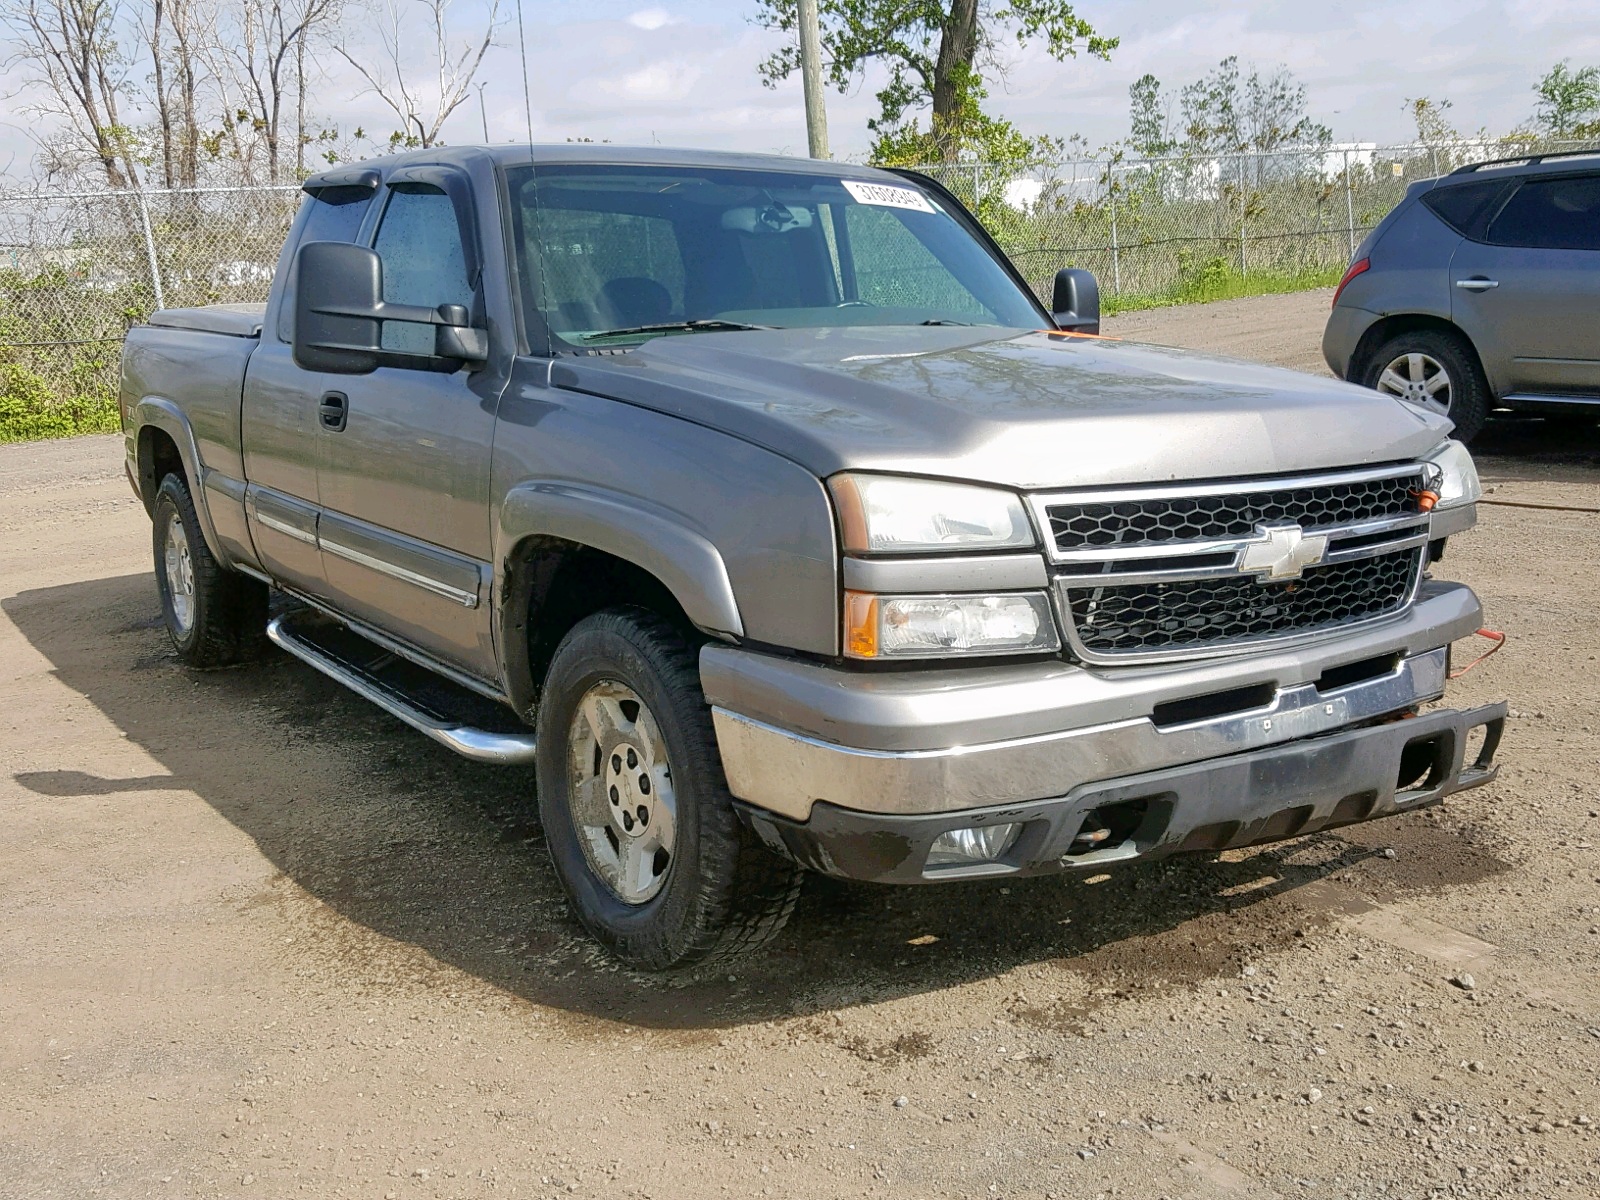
{"x": 943, "y": 321}
{"x": 707, "y": 326}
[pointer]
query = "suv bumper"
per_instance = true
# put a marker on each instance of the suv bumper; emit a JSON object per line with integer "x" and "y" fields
{"x": 818, "y": 754}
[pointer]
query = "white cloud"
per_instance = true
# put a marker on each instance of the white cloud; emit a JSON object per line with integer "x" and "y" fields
{"x": 651, "y": 19}
{"x": 660, "y": 81}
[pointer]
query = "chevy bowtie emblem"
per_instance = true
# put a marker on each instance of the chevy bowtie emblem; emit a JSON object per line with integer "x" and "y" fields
{"x": 1282, "y": 552}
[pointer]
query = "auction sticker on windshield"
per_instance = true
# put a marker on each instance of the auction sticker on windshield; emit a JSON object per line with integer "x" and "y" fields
{"x": 886, "y": 195}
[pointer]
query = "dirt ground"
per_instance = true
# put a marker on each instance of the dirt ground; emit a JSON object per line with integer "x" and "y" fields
{"x": 258, "y": 939}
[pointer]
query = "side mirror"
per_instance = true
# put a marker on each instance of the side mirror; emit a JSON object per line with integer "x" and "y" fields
{"x": 339, "y": 312}
{"x": 1076, "y": 304}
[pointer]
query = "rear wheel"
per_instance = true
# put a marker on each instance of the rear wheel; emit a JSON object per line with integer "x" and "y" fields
{"x": 635, "y": 810}
{"x": 214, "y": 616}
{"x": 1436, "y": 370}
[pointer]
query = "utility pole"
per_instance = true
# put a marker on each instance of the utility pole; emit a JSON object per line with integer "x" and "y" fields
{"x": 483, "y": 112}
{"x": 811, "y": 77}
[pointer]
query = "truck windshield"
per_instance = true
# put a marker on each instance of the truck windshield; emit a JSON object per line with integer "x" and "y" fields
{"x": 613, "y": 255}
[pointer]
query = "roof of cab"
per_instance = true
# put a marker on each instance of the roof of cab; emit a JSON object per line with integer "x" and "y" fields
{"x": 595, "y": 153}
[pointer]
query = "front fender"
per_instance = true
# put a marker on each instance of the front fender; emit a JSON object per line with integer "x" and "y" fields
{"x": 653, "y": 539}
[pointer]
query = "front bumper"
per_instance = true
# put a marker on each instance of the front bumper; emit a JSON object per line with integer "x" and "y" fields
{"x": 1265, "y": 795}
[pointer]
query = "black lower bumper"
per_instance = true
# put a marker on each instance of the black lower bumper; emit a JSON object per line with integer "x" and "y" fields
{"x": 1263, "y": 796}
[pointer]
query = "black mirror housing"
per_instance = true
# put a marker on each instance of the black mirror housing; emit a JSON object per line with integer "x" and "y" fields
{"x": 339, "y": 313}
{"x": 338, "y": 292}
{"x": 1076, "y": 303}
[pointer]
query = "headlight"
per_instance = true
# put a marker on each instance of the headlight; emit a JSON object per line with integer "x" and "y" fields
{"x": 885, "y": 514}
{"x": 1455, "y": 477}
{"x": 936, "y": 626}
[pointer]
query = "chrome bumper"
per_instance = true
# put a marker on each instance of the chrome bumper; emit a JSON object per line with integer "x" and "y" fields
{"x": 1096, "y": 724}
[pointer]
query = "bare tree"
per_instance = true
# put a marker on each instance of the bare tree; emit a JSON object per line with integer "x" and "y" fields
{"x": 172, "y": 31}
{"x": 423, "y": 106}
{"x": 261, "y": 60}
{"x": 69, "y": 50}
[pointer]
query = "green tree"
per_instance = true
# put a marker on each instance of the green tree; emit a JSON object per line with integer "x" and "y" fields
{"x": 936, "y": 53}
{"x": 1229, "y": 113}
{"x": 1149, "y": 118}
{"x": 1569, "y": 101}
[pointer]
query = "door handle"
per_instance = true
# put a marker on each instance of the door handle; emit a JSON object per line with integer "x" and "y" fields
{"x": 1477, "y": 284}
{"x": 334, "y": 410}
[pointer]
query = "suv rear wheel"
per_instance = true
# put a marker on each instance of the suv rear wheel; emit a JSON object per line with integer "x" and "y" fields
{"x": 1436, "y": 370}
{"x": 635, "y": 809}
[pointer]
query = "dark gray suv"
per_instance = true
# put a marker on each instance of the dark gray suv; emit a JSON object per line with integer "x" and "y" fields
{"x": 1481, "y": 290}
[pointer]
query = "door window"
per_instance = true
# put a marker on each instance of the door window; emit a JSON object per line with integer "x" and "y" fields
{"x": 419, "y": 242}
{"x": 1552, "y": 214}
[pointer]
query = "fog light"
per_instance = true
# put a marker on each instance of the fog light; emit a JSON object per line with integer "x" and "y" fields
{"x": 977, "y": 844}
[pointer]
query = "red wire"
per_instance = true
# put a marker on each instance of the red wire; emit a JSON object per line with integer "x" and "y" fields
{"x": 1495, "y": 636}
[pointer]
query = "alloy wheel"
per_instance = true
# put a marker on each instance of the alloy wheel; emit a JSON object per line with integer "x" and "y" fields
{"x": 622, "y": 798}
{"x": 1420, "y": 379}
{"x": 179, "y": 565}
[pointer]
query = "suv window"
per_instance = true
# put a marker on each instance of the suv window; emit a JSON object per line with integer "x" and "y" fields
{"x": 1552, "y": 214}
{"x": 1463, "y": 206}
{"x": 420, "y": 245}
{"x": 332, "y": 215}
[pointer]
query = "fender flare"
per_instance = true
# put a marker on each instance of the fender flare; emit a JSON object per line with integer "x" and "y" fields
{"x": 157, "y": 412}
{"x": 652, "y": 539}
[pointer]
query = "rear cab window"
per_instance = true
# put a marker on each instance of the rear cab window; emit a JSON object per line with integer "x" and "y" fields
{"x": 333, "y": 214}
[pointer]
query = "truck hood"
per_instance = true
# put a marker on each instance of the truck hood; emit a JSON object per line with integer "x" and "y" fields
{"x": 1028, "y": 410}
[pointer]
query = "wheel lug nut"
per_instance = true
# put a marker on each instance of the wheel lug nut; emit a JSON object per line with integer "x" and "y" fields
{"x": 633, "y": 760}
{"x": 615, "y": 799}
{"x": 644, "y": 784}
{"x": 644, "y": 815}
{"x": 616, "y": 763}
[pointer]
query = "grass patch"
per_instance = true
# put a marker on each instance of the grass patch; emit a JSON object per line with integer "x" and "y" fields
{"x": 1216, "y": 279}
{"x": 30, "y": 409}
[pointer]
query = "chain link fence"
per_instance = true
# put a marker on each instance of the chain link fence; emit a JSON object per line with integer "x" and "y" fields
{"x": 1169, "y": 230}
{"x": 78, "y": 268}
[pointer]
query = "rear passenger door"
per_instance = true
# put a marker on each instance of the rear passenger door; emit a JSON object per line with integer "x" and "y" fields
{"x": 279, "y": 424}
{"x": 404, "y": 477}
{"x": 1528, "y": 291}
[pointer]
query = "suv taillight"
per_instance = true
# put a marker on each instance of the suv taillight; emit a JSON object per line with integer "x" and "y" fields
{"x": 1356, "y": 268}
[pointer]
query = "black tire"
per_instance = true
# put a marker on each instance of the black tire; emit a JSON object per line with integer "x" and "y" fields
{"x": 721, "y": 892}
{"x": 1469, "y": 399}
{"x": 223, "y": 618}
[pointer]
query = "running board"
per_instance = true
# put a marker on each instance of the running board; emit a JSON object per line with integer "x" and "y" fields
{"x": 449, "y": 714}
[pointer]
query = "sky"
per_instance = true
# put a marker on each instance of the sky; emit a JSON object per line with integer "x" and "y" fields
{"x": 683, "y": 72}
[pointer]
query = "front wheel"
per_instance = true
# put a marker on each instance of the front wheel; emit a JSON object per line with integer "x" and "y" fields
{"x": 214, "y": 616}
{"x": 635, "y": 809}
{"x": 1436, "y": 370}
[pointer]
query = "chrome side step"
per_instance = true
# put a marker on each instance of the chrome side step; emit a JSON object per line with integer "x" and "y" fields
{"x": 503, "y": 747}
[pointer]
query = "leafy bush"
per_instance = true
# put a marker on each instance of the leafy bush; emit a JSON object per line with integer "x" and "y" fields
{"x": 29, "y": 409}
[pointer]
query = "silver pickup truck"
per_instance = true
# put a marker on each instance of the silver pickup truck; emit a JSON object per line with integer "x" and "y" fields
{"x": 759, "y": 505}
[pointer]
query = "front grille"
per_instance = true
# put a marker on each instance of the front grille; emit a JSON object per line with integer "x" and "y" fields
{"x": 1214, "y": 613}
{"x": 1160, "y": 519}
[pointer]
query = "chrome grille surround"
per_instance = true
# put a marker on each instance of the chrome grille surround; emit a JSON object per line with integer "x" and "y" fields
{"x": 1142, "y": 593}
